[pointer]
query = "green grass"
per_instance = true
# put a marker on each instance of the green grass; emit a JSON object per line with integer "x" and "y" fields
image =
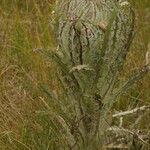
{"x": 30, "y": 116}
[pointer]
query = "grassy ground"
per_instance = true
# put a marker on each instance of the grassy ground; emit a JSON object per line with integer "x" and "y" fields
{"x": 25, "y": 75}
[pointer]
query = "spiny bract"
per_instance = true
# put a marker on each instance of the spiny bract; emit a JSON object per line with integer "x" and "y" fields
{"x": 81, "y": 26}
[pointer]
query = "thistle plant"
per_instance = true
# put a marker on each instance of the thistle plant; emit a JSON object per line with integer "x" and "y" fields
{"x": 94, "y": 38}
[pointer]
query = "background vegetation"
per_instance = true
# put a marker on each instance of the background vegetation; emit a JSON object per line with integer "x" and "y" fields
{"x": 26, "y": 78}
